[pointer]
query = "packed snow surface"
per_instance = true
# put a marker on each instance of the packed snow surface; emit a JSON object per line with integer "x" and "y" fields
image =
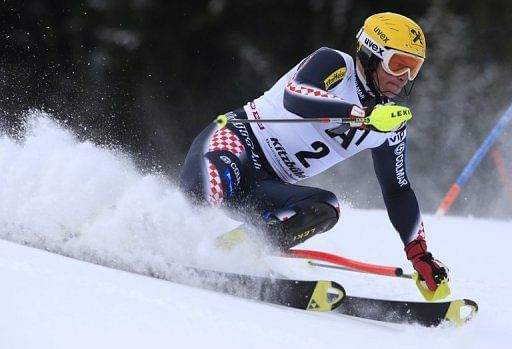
{"x": 59, "y": 195}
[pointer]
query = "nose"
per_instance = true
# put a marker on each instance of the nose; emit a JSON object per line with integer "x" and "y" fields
{"x": 402, "y": 79}
{"x": 404, "y": 76}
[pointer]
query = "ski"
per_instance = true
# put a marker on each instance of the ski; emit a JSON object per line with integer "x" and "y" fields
{"x": 325, "y": 296}
{"x": 311, "y": 295}
{"x": 427, "y": 314}
{"x": 318, "y": 295}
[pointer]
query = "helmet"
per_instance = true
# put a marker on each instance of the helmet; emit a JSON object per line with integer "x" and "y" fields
{"x": 395, "y": 40}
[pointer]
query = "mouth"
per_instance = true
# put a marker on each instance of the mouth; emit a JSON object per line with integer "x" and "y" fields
{"x": 392, "y": 89}
{"x": 394, "y": 85}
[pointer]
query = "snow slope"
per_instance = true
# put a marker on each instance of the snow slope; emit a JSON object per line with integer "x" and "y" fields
{"x": 71, "y": 197}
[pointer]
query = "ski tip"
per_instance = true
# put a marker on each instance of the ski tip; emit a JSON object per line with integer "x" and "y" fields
{"x": 461, "y": 311}
{"x": 469, "y": 302}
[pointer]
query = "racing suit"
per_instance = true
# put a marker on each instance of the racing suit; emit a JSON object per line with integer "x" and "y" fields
{"x": 251, "y": 169}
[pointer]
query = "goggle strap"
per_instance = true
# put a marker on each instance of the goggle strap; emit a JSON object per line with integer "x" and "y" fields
{"x": 370, "y": 44}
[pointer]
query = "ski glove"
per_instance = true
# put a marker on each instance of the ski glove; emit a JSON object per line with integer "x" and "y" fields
{"x": 388, "y": 117}
{"x": 430, "y": 270}
{"x": 381, "y": 118}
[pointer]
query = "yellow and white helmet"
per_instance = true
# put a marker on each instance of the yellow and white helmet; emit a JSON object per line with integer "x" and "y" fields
{"x": 395, "y": 40}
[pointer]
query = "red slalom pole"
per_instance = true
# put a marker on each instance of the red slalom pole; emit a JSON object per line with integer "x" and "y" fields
{"x": 499, "y": 163}
{"x": 345, "y": 262}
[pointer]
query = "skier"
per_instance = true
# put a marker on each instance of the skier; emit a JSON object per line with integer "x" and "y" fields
{"x": 250, "y": 169}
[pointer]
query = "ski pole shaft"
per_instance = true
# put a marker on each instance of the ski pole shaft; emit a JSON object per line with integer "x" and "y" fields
{"x": 223, "y": 120}
{"x": 456, "y": 187}
{"x": 384, "y": 118}
{"x": 323, "y": 265}
{"x": 345, "y": 262}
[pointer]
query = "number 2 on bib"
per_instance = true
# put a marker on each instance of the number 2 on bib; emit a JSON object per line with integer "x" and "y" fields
{"x": 321, "y": 150}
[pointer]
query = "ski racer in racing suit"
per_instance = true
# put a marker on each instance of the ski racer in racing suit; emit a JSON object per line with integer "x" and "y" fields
{"x": 251, "y": 169}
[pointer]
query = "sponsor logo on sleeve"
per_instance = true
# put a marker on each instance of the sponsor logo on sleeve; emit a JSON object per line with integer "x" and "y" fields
{"x": 335, "y": 77}
{"x": 395, "y": 138}
{"x": 400, "y": 165}
{"x": 248, "y": 141}
{"x": 400, "y": 149}
{"x": 233, "y": 167}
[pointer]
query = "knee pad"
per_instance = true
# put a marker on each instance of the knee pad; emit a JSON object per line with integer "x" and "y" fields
{"x": 289, "y": 227}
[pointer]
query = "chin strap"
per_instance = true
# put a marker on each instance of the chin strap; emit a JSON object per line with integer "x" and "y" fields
{"x": 404, "y": 94}
{"x": 372, "y": 86}
{"x": 367, "y": 81}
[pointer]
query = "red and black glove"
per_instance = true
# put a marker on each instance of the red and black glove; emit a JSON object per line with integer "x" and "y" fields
{"x": 430, "y": 270}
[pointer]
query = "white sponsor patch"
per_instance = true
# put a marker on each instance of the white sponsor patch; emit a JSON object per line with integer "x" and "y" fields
{"x": 396, "y": 137}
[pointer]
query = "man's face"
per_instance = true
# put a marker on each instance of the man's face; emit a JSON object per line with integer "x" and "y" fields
{"x": 389, "y": 85}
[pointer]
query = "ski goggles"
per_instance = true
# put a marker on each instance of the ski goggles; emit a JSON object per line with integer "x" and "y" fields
{"x": 397, "y": 63}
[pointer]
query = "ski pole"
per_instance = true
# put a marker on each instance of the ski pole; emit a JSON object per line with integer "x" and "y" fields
{"x": 223, "y": 120}
{"x": 456, "y": 187}
{"x": 345, "y": 262}
{"x": 323, "y": 265}
{"x": 384, "y": 118}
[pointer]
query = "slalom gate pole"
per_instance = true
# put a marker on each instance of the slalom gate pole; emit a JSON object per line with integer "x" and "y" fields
{"x": 456, "y": 187}
{"x": 499, "y": 162}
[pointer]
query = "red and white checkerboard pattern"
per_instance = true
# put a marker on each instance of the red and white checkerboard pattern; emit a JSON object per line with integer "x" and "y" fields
{"x": 225, "y": 139}
{"x": 216, "y": 193}
{"x": 308, "y": 91}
